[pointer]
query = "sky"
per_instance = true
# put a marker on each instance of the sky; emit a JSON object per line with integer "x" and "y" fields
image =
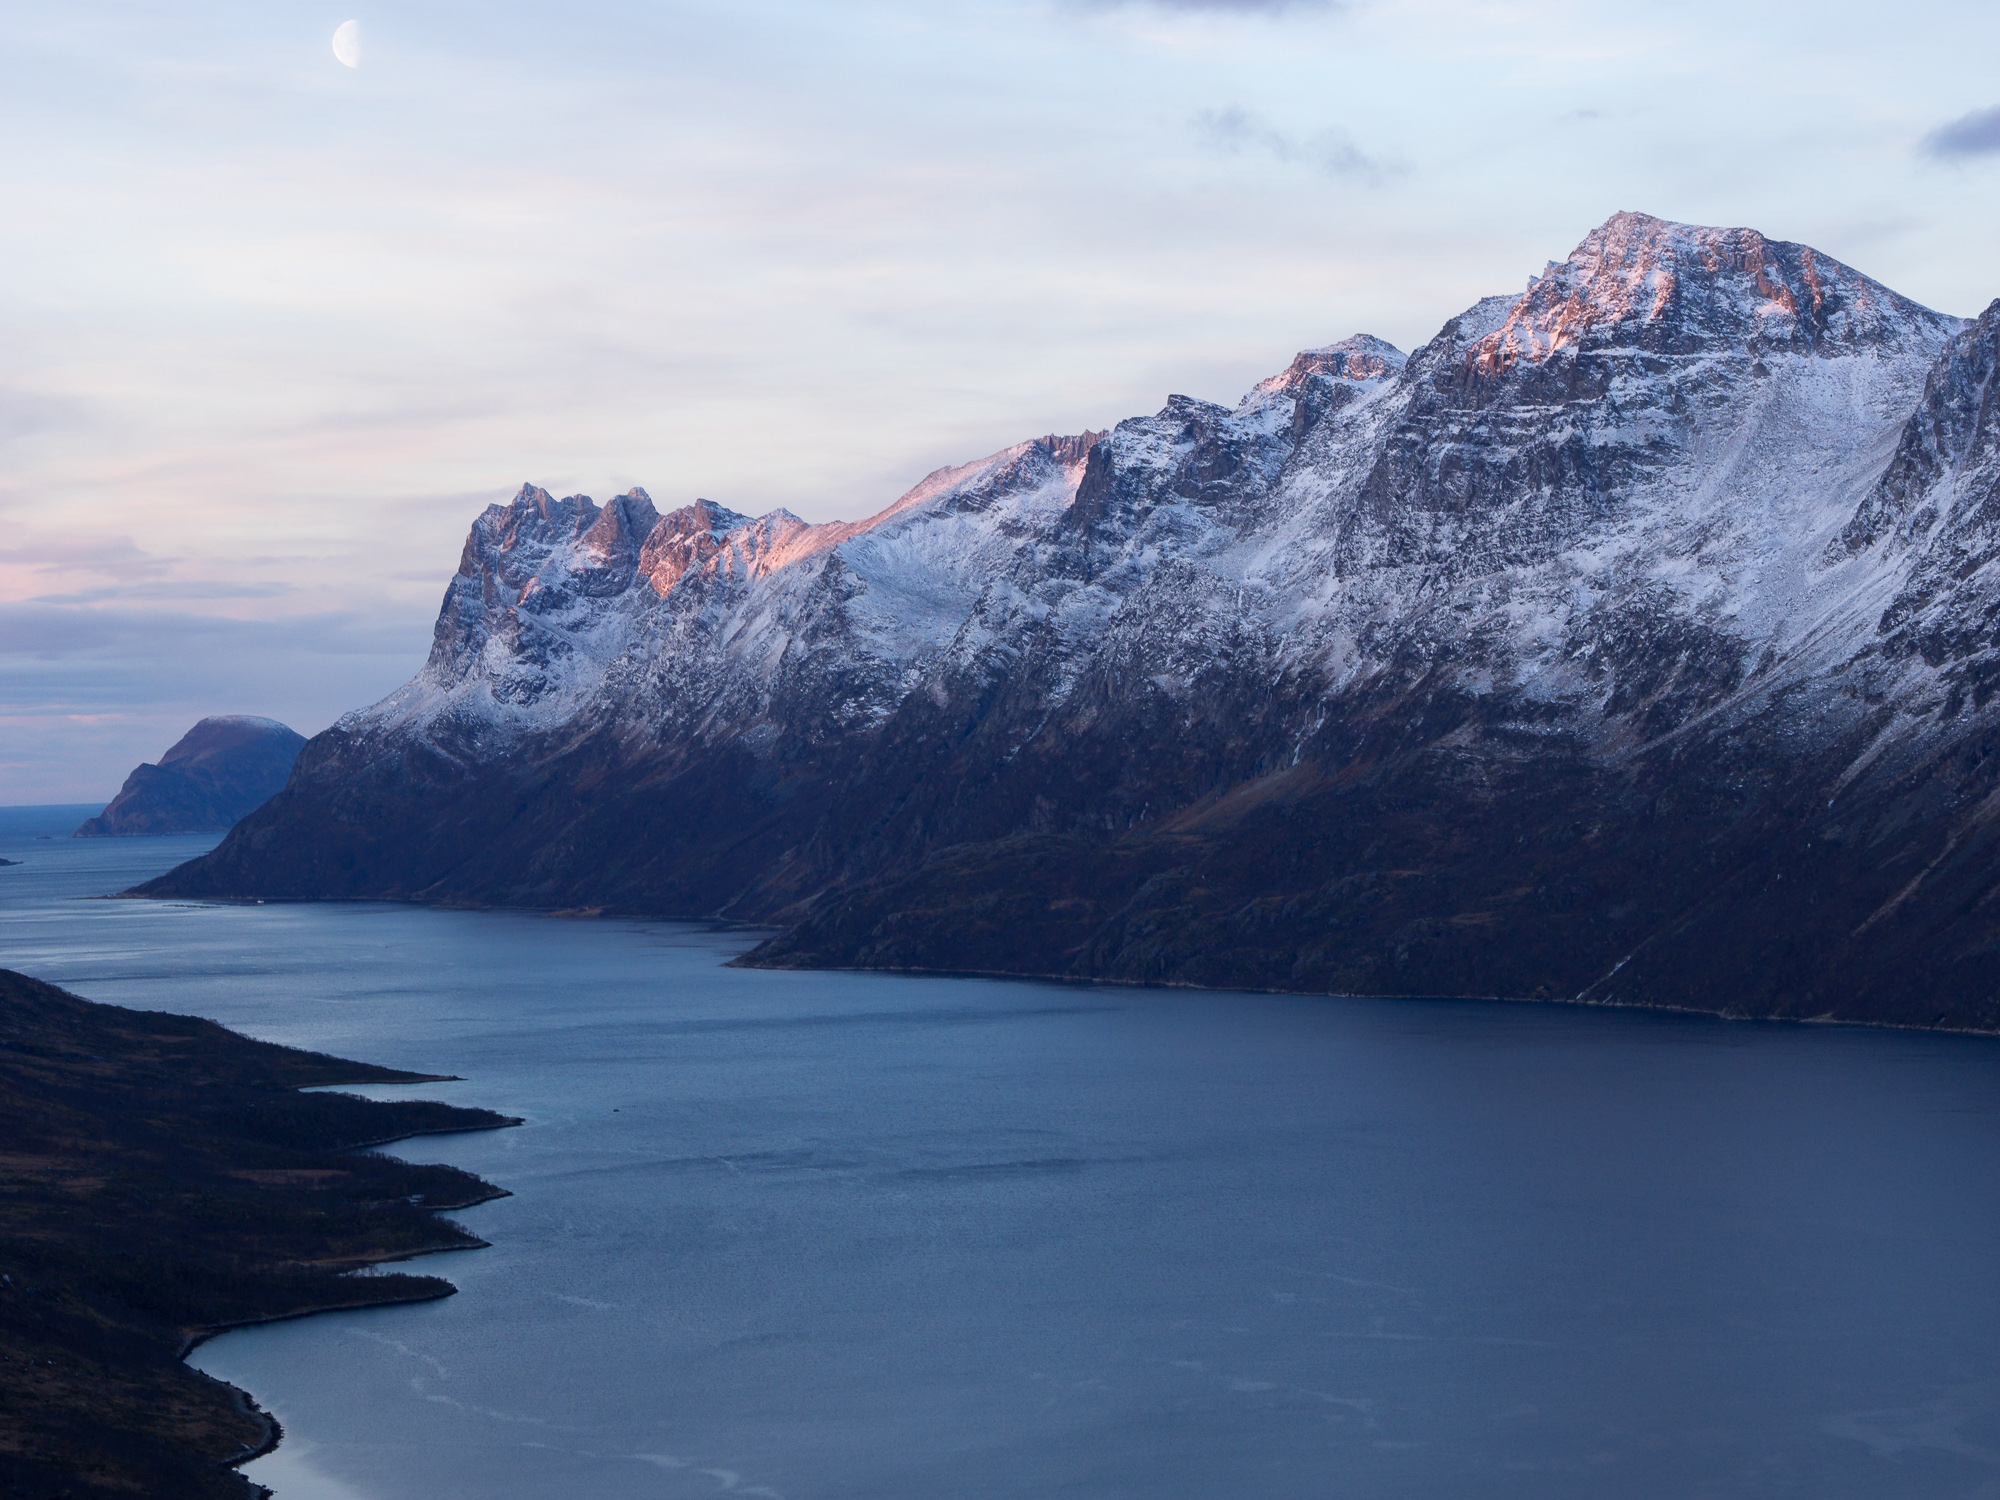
{"x": 273, "y": 329}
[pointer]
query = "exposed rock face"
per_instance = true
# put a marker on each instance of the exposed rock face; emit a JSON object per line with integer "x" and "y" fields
{"x": 1632, "y": 640}
{"x": 219, "y": 770}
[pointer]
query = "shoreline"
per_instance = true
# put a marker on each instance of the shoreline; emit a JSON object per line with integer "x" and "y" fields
{"x": 274, "y": 1430}
{"x": 726, "y": 924}
{"x": 274, "y": 1433}
{"x": 1571, "y": 1001}
{"x": 216, "y": 1184}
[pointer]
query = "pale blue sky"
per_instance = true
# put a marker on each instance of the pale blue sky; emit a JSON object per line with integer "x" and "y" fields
{"x": 275, "y": 329}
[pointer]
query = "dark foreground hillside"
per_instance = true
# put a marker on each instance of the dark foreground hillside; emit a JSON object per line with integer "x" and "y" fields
{"x": 161, "y": 1178}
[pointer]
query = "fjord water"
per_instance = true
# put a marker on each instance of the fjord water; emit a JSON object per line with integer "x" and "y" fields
{"x": 840, "y": 1235}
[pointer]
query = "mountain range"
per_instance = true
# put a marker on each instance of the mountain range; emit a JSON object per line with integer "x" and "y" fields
{"x": 1632, "y": 642}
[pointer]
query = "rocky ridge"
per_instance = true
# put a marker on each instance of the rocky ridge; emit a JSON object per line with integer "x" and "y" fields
{"x": 1633, "y": 640}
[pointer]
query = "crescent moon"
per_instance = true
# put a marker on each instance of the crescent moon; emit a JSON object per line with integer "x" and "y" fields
{"x": 347, "y": 43}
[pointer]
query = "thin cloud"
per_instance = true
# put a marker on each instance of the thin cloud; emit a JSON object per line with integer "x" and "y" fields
{"x": 166, "y": 592}
{"x": 1211, "y": 7}
{"x": 1976, "y": 134}
{"x": 190, "y": 643}
{"x": 118, "y": 556}
{"x": 1236, "y": 130}
{"x": 26, "y": 413}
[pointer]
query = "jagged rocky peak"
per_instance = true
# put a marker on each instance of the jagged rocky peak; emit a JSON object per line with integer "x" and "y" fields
{"x": 540, "y": 552}
{"x": 622, "y": 526}
{"x": 1637, "y": 282}
{"x": 1208, "y": 453}
{"x": 1071, "y": 449}
{"x": 513, "y": 540}
{"x": 1323, "y": 380}
{"x": 607, "y": 553}
{"x": 535, "y": 512}
{"x": 704, "y": 516}
{"x": 1026, "y": 462}
{"x": 684, "y": 539}
{"x": 1362, "y": 359}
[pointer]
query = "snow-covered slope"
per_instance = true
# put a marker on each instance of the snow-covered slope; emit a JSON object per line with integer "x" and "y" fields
{"x": 565, "y": 614}
{"x": 1481, "y": 670}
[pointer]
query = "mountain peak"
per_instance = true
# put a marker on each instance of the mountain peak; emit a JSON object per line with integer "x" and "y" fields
{"x": 1360, "y": 358}
{"x": 684, "y": 539}
{"x": 1070, "y": 448}
{"x": 531, "y": 496}
{"x": 1642, "y": 282}
{"x": 220, "y": 733}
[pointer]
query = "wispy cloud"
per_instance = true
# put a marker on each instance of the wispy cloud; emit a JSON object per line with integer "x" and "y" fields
{"x": 154, "y": 593}
{"x": 123, "y": 638}
{"x": 1237, "y": 130}
{"x": 1216, "y": 7}
{"x": 118, "y": 556}
{"x": 27, "y": 413}
{"x": 1976, "y": 134}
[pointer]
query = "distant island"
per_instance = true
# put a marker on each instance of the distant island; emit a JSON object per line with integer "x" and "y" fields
{"x": 221, "y": 769}
{"x": 163, "y": 1179}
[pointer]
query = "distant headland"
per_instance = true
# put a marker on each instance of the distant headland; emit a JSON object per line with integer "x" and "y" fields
{"x": 221, "y": 769}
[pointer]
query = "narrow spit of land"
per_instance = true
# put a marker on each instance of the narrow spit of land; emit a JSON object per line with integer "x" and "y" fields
{"x": 161, "y": 1178}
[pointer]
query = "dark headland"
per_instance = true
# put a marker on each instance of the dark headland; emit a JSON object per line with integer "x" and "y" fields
{"x": 224, "y": 767}
{"x": 163, "y": 1179}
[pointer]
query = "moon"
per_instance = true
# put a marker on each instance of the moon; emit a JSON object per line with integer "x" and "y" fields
{"x": 347, "y": 43}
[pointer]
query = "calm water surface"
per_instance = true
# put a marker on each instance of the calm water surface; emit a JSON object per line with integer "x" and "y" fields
{"x": 815, "y": 1236}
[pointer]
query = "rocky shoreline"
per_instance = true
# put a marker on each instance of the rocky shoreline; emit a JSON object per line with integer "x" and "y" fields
{"x": 165, "y": 1181}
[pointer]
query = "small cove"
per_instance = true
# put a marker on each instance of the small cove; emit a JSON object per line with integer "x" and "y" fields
{"x": 840, "y": 1235}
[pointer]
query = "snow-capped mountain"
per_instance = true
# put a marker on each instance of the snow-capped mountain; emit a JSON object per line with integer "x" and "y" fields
{"x": 1632, "y": 640}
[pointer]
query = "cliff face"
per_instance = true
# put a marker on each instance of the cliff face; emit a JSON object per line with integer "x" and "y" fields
{"x": 215, "y": 773}
{"x": 1633, "y": 639}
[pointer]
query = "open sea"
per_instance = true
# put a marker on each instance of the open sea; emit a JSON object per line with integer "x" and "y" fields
{"x": 834, "y": 1235}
